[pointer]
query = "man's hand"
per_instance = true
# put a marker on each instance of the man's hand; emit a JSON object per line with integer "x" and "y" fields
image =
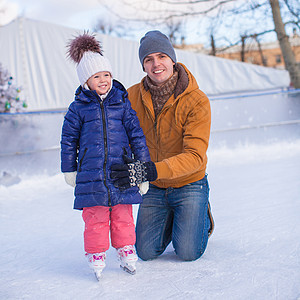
{"x": 132, "y": 173}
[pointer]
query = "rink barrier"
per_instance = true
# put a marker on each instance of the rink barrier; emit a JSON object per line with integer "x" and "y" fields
{"x": 211, "y": 97}
{"x": 246, "y": 127}
{"x": 256, "y": 94}
{"x": 293, "y": 122}
{"x": 30, "y": 152}
{"x": 35, "y": 112}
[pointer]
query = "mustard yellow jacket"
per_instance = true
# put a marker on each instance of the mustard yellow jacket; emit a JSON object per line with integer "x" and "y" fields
{"x": 178, "y": 138}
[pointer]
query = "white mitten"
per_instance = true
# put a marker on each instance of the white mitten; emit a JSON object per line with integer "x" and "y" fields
{"x": 143, "y": 187}
{"x": 70, "y": 178}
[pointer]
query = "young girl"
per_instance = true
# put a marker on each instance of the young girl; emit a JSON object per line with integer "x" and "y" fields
{"x": 99, "y": 127}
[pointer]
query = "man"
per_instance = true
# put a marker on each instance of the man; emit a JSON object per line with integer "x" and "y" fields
{"x": 175, "y": 117}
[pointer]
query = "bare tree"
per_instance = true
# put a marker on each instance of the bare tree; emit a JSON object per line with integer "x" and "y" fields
{"x": 263, "y": 61}
{"x": 114, "y": 26}
{"x": 175, "y": 30}
{"x": 243, "y": 39}
{"x": 286, "y": 49}
{"x": 247, "y": 46}
{"x": 212, "y": 46}
{"x": 103, "y": 27}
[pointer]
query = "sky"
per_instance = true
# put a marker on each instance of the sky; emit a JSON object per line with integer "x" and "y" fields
{"x": 76, "y": 13}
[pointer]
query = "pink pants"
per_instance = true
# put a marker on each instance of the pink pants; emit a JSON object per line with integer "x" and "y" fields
{"x": 99, "y": 221}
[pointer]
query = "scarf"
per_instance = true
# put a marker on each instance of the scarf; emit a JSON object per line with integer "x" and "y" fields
{"x": 161, "y": 94}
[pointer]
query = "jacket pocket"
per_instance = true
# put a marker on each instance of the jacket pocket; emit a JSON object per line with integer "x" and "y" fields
{"x": 81, "y": 160}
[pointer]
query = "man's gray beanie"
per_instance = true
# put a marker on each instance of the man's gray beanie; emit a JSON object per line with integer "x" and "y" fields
{"x": 153, "y": 42}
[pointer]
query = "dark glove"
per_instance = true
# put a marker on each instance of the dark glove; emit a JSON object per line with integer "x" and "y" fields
{"x": 132, "y": 173}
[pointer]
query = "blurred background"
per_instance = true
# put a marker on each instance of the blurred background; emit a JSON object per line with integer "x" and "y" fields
{"x": 245, "y": 56}
{"x": 242, "y": 30}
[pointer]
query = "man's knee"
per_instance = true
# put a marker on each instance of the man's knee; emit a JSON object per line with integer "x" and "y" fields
{"x": 187, "y": 255}
{"x": 145, "y": 254}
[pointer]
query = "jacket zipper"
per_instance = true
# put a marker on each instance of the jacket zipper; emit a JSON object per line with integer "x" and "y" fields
{"x": 156, "y": 131}
{"x": 105, "y": 150}
{"x": 156, "y": 136}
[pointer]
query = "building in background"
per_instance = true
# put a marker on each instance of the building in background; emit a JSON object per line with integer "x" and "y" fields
{"x": 263, "y": 54}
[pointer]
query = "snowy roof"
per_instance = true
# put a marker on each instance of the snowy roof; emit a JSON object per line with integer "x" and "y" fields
{"x": 34, "y": 52}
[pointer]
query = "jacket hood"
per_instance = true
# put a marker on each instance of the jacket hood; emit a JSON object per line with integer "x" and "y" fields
{"x": 186, "y": 81}
{"x": 85, "y": 95}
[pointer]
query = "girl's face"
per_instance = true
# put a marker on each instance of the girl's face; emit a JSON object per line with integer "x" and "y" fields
{"x": 100, "y": 82}
{"x": 159, "y": 67}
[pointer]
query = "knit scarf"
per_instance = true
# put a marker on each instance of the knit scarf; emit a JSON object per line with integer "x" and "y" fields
{"x": 161, "y": 94}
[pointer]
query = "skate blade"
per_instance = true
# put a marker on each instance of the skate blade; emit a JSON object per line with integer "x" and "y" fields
{"x": 128, "y": 269}
{"x": 98, "y": 275}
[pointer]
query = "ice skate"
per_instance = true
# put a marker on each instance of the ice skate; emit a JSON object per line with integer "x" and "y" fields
{"x": 128, "y": 258}
{"x": 96, "y": 262}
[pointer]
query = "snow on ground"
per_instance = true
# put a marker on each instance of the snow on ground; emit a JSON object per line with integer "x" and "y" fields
{"x": 254, "y": 252}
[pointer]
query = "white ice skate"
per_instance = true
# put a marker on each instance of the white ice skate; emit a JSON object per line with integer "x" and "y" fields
{"x": 96, "y": 262}
{"x": 128, "y": 258}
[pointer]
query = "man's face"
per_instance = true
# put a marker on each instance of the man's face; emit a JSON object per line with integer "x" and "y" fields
{"x": 159, "y": 67}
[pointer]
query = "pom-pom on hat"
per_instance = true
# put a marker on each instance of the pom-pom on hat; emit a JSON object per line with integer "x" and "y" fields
{"x": 155, "y": 41}
{"x": 86, "y": 52}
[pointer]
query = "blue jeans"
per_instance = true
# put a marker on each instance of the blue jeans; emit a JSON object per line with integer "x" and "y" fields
{"x": 179, "y": 215}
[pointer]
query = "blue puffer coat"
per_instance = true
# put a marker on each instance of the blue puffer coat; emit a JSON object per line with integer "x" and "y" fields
{"x": 94, "y": 135}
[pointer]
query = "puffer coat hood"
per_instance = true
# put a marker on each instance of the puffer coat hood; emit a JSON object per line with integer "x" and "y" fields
{"x": 95, "y": 135}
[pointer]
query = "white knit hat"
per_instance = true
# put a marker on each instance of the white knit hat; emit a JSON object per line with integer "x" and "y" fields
{"x": 86, "y": 51}
{"x": 90, "y": 64}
